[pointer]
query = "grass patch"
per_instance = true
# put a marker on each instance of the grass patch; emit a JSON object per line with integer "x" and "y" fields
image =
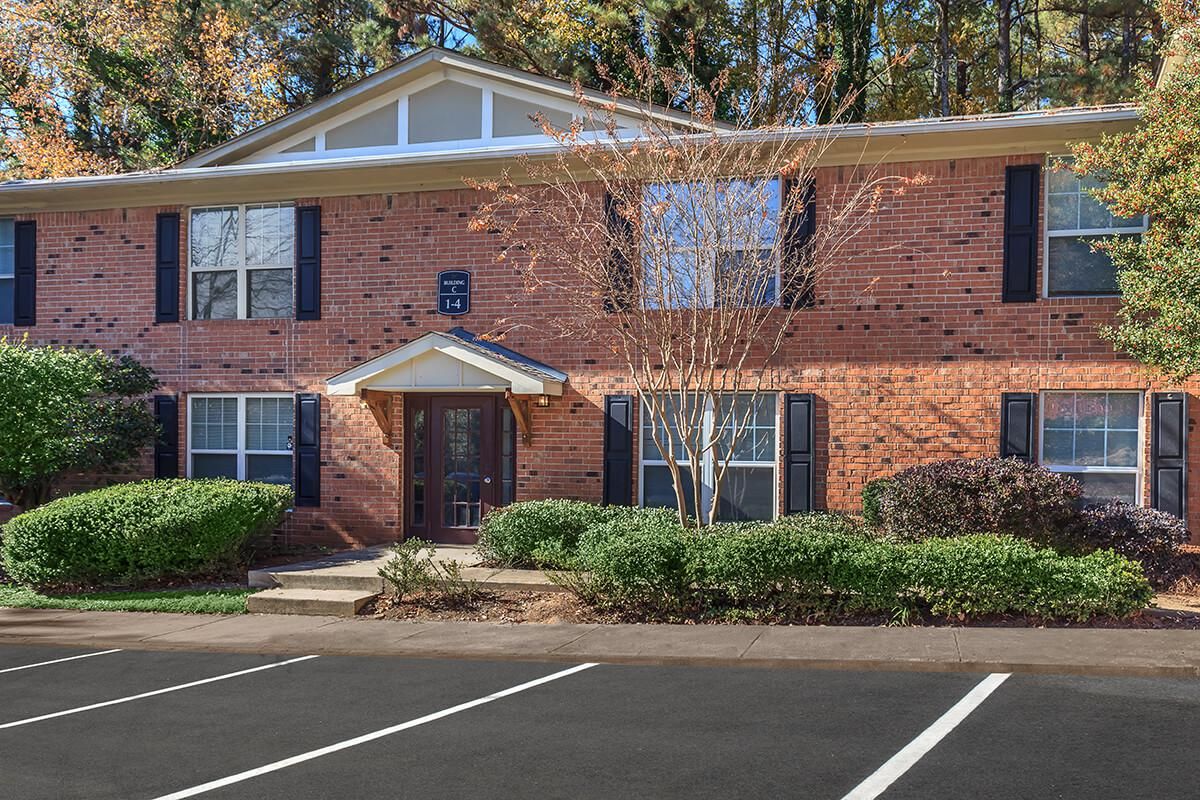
{"x": 180, "y": 601}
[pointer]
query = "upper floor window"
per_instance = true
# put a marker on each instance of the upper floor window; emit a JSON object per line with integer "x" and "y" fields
{"x": 710, "y": 243}
{"x": 241, "y": 260}
{"x": 1074, "y": 220}
{"x": 1096, "y": 438}
{"x": 7, "y": 261}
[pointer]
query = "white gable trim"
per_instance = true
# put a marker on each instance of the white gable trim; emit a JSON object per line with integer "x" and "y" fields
{"x": 276, "y": 153}
{"x": 547, "y": 91}
{"x": 438, "y": 362}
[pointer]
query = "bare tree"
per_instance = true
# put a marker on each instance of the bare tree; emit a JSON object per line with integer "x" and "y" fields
{"x": 690, "y": 246}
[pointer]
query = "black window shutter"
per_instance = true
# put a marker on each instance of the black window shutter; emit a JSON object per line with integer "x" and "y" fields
{"x": 166, "y": 268}
{"x": 1018, "y": 412}
{"x": 1021, "y": 193}
{"x": 620, "y": 271}
{"x": 166, "y": 446}
{"x": 308, "y": 450}
{"x": 618, "y": 450}
{"x": 1168, "y": 453}
{"x": 25, "y": 274}
{"x": 798, "y": 448}
{"x": 799, "y": 228}
{"x": 308, "y": 262}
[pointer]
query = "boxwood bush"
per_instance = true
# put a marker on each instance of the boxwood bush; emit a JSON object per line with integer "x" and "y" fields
{"x": 137, "y": 531}
{"x": 822, "y": 563}
{"x": 962, "y": 497}
{"x": 545, "y": 533}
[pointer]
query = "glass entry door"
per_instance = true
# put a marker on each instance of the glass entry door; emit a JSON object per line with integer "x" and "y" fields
{"x": 459, "y": 479}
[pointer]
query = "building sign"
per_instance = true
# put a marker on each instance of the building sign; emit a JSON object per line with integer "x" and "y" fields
{"x": 454, "y": 292}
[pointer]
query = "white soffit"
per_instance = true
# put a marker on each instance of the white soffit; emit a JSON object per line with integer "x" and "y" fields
{"x": 450, "y": 362}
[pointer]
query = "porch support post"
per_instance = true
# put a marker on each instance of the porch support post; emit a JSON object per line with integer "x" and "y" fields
{"x": 520, "y": 409}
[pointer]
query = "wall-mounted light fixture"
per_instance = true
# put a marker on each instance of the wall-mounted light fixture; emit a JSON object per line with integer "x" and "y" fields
{"x": 543, "y": 401}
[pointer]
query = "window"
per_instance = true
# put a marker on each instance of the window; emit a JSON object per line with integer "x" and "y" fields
{"x": 1075, "y": 219}
{"x": 241, "y": 260}
{"x": 749, "y": 487}
{"x": 710, "y": 244}
{"x": 7, "y": 264}
{"x": 1096, "y": 438}
{"x": 247, "y": 437}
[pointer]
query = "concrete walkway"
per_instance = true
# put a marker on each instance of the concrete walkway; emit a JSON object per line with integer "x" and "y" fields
{"x": 1074, "y": 651}
{"x": 342, "y": 583}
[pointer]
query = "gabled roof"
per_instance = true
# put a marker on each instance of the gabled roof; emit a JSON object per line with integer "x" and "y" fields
{"x": 458, "y": 360}
{"x": 430, "y": 61}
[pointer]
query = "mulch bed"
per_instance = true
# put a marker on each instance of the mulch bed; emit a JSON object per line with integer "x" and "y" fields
{"x": 560, "y": 607}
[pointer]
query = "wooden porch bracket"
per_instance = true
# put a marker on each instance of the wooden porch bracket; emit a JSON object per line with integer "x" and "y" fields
{"x": 520, "y": 408}
{"x": 380, "y": 404}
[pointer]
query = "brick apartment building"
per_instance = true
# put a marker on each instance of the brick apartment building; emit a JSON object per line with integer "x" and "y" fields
{"x": 285, "y": 286}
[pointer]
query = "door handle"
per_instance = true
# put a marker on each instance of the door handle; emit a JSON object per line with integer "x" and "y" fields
{"x": 487, "y": 479}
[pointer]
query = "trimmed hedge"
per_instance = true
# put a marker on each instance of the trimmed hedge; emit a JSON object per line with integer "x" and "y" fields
{"x": 822, "y": 563}
{"x": 1016, "y": 498}
{"x": 139, "y": 531}
{"x": 545, "y": 533}
{"x": 962, "y": 497}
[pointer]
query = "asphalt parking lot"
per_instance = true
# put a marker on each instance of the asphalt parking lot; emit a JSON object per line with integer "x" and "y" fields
{"x": 136, "y": 724}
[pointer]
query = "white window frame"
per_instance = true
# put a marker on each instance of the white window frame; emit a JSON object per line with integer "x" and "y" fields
{"x": 775, "y": 253}
{"x": 12, "y": 249}
{"x": 242, "y": 269}
{"x": 1071, "y": 469}
{"x": 708, "y": 471}
{"x": 1076, "y": 233}
{"x": 241, "y": 451}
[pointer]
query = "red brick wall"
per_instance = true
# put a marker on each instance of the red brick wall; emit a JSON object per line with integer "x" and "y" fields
{"x": 908, "y": 350}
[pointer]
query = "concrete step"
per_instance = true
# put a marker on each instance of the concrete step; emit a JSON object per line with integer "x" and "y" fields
{"x": 329, "y": 579}
{"x": 312, "y": 602}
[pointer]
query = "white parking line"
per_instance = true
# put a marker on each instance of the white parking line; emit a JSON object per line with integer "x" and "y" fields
{"x": 366, "y": 737}
{"x": 144, "y": 695}
{"x": 57, "y": 661}
{"x": 903, "y": 761}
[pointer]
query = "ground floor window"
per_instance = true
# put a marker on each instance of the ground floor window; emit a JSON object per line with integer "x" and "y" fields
{"x": 242, "y": 436}
{"x": 748, "y": 489}
{"x": 1096, "y": 438}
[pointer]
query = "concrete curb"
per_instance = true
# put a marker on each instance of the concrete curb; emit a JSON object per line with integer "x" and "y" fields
{"x": 1101, "y": 652}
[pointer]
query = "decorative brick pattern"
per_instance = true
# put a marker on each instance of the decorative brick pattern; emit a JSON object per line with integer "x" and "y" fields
{"x": 908, "y": 350}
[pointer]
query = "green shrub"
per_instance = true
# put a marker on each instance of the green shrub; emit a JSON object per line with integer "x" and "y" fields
{"x": 545, "y": 533}
{"x": 408, "y": 571}
{"x": 139, "y": 531}
{"x": 872, "y": 497}
{"x": 815, "y": 560}
{"x": 976, "y": 575}
{"x": 639, "y": 560}
{"x": 825, "y": 563}
{"x": 962, "y": 497}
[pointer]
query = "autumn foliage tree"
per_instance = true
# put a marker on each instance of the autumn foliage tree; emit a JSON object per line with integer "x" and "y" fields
{"x": 690, "y": 247}
{"x": 1155, "y": 170}
{"x": 93, "y": 87}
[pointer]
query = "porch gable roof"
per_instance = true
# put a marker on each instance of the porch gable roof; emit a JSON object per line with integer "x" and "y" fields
{"x": 457, "y": 360}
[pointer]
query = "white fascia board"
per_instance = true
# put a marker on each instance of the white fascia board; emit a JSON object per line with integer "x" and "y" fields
{"x": 849, "y": 131}
{"x": 521, "y": 382}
